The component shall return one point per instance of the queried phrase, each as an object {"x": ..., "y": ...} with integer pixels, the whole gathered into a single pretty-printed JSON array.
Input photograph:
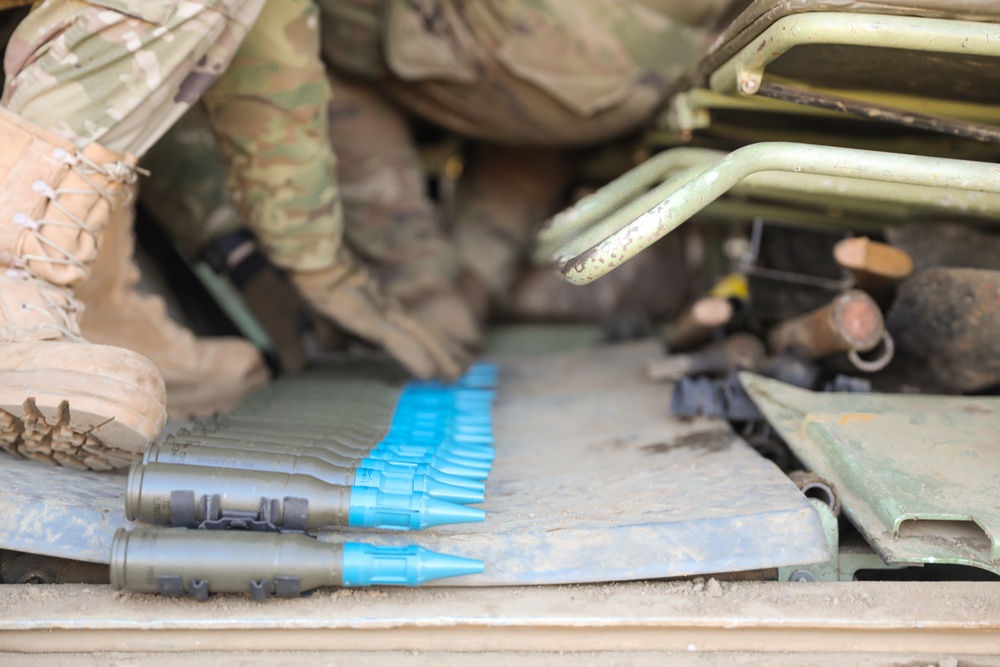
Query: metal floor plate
[
  {"x": 593, "y": 481},
  {"x": 59, "y": 512},
  {"x": 916, "y": 474}
]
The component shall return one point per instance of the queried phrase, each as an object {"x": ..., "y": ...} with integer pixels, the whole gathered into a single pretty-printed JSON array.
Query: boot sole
[{"x": 98, "y": 419}]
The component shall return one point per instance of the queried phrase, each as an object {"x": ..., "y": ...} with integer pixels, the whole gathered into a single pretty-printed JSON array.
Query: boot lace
[
  {"x": 87, "y": 169},
  {"x": 56, "y": 304}
]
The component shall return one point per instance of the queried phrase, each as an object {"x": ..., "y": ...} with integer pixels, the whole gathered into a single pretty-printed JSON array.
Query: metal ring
[{"x": 877, "y": 364}]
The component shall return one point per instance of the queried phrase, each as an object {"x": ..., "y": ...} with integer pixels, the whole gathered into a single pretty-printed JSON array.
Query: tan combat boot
[
  {"x": 63, "y": 400},
  {"x": 202, "y": 375}
]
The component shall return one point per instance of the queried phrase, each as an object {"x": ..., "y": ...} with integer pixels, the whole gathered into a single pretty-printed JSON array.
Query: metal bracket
[
  {"x": 285, "y": 586},
  {"x": 287, "y": 515},
  {"x": 844, "y": 563},
  {"x": 170, "y": 584},
  {"x": 173, "y": 585},
  {"x": 260, "y": 590}
]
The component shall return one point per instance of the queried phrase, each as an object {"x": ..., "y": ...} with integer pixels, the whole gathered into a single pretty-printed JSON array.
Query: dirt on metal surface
[
  {"x": 960, "y": 619},
  {"x": 491, "y": 659},
  {"x": 594, "y": 480},
  {"x": 704, "y": 622}
]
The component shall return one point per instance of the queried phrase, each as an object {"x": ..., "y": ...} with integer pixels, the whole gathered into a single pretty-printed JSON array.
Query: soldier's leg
[
  {"x": 388, "y": 217},
  {"x": 187, "y": 190},
  {"x": 188, "y": 194},
  {"x": 85, "y": 86},
  {"x": 503, "y": 195}
]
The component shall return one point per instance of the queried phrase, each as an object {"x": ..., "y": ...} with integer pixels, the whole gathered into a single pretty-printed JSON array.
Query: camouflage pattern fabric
[
  {"x": 270, "y": 111},
  {"x": 538, "y": 73},
  {"x": 188, "y": 188},
  {"x": 467, "y": 66},
  {"x": 352, "y": 35},
  {"x": 119, "y": 72},
  {"x": 390, "y": 221},
  {"x": 504, "y": 193},
  {"x": 552, "y": 72},
  {"x": 380, "y": 177},
  {"x": 535, "y": 72}
]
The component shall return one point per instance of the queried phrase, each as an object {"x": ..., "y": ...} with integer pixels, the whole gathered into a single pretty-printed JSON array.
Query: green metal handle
[
  {"x": 584, "y": 259},
  {"x": 744, "y": 72}
]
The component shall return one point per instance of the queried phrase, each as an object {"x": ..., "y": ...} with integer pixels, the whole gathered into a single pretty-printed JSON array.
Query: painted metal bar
[
  {"x": 593, "y": 208},
  {"x": 581, "y": 266},
  {"x": 869, "y": 197},
  {"x": 869, "y": 110},
  {"x": 813, "y": 192},
  {"x": 744, "y": 72},
  {"x": 600, "y": 228},
  {"x": 608, "y": 209}
]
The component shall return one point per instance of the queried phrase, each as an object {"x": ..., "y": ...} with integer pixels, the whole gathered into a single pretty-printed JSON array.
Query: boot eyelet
[
  {"x": 44, "y": 189},
  {"x": 24, "y": 220}
]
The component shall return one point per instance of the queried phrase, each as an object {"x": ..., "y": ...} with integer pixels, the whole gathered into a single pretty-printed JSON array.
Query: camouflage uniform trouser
[
  {"x": 270, "y": 113},
  {"x": 187, "y": 191},
  {"x": 389, "y": 220},
  {"x": 119, "y": 72}
]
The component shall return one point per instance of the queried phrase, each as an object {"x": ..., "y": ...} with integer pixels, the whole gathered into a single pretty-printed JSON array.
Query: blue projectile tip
[
  {"x": 454, "y": 453},
  {"x": 392, "y": 481},
  {"x": 455, "y": 480},
  {"x": 442, "y": 465},
  {"x": 450, "y": 467},
  {"x": 449, "y": 492},
  {"x": 392, "y": 450},
  {"x": 368, "y": 565},
  {"x": 423, "y": 442},
  {"x": 464, "y": 461},
  {"x": 415, "y": 468},
  {"x": 371, "y": 508},
  {"x": 478, "y": 452}
]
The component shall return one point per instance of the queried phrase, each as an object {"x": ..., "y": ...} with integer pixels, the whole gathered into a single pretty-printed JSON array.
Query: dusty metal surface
[
  {"x": 846, "y": 560},
  {"x": 682, "y": 658},
  {"x": 593, "y": 481},
  {"x": 916, "y": 474},
  {"x": 59, "y": 511},
  {"x": 696, "y": 617}
]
